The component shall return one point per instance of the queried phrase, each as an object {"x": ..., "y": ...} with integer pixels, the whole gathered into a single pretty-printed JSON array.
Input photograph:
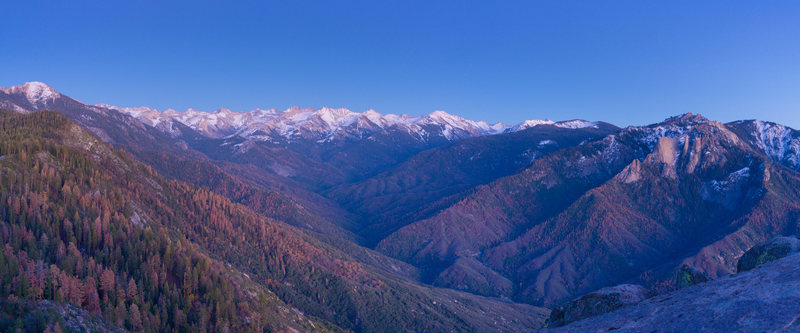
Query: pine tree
[
  {"x": 132, "y": 292},
  {"x": 120, "y": 314},
  {"x": 135, "y": 317},
  {"x": 91, "y": 301},
  {"x": 107, "y": 282}
]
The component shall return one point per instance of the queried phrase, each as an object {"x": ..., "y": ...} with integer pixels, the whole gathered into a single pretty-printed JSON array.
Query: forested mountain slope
[
  {"x": 75, "y": 206},
  {"x": 83, "y": 223}
]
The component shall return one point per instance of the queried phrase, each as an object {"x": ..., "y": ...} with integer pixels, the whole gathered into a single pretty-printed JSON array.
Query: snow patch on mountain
[
  {"x": 546, "y": 142},
  {"x": 673, "y": 127},
  {"x": 727, "y": 192},
  {"x": 651, "y": 134},
  {"x": 575, "y": 124},
  {"x": 733, "y": 178},
  {"x": 779, "y": 142}
]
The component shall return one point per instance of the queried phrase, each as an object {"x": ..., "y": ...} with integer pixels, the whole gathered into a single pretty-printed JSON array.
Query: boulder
[
  {"x": 597, "y": 303},
  {"x": 778, "y": 247},
  {"x": 688, "y": 276}
]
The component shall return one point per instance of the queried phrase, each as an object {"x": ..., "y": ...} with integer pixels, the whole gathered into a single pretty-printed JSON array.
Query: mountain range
[
  {"x": 371, "y": 222},
  {"x": 323, "y": 125}
]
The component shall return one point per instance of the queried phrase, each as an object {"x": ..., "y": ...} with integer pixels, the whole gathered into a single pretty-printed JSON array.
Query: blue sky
[{"x": 627, "y": 62}]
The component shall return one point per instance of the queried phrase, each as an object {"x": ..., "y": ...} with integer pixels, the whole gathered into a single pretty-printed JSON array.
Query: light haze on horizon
[{"x": 625, "y": 62}]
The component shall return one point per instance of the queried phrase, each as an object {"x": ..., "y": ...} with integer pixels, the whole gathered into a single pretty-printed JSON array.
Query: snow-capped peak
[
  {"x": 35, "y": 92},
  {"x": 571, "y": 124},
  {"x": 576, "y": 123},
  {"x": 193, "y": 112},
  {"x": 444, "y": 118},
  {"x": 532, "y": 123},
  {"x": 453, "y": 122},
  {"x": 376, "y": 118},
  {"x": 134, "y": 111},
  {"x": 223, "y": 111},
  {"x": 38, "y": 91},
  {"x": 442, "y": 115},
  {"x": 687, "y": 119},
  {"x": 336, "y": 117}
]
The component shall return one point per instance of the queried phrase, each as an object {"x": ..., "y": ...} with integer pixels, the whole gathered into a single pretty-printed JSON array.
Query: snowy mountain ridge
[
  {"x": 326, "y": 124},
  {"x": 291, "y": 125}
]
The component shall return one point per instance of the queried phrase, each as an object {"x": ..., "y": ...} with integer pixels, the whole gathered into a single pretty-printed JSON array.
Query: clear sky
[{"x": 627, "y": 62}]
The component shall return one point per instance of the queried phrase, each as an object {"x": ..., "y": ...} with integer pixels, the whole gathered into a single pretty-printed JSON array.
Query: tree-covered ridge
[
  {"x": 82, "y": 223},
  {"x": 259, "y": 199}
]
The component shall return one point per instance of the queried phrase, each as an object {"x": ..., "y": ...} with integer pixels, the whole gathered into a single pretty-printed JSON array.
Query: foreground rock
[
  {"x": 778, "y": 247},
  {"x": 765, "y": 299},
  {"x": 599, "y": 302},
  {"x": 688, "y": 276}
]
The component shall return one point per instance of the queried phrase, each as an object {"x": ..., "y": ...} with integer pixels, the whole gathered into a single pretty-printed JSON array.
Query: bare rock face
[
  {"x": 689, "y": 276},
  {"x": 777, "y": 248},
  {"x": 597, "y": 303}
]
